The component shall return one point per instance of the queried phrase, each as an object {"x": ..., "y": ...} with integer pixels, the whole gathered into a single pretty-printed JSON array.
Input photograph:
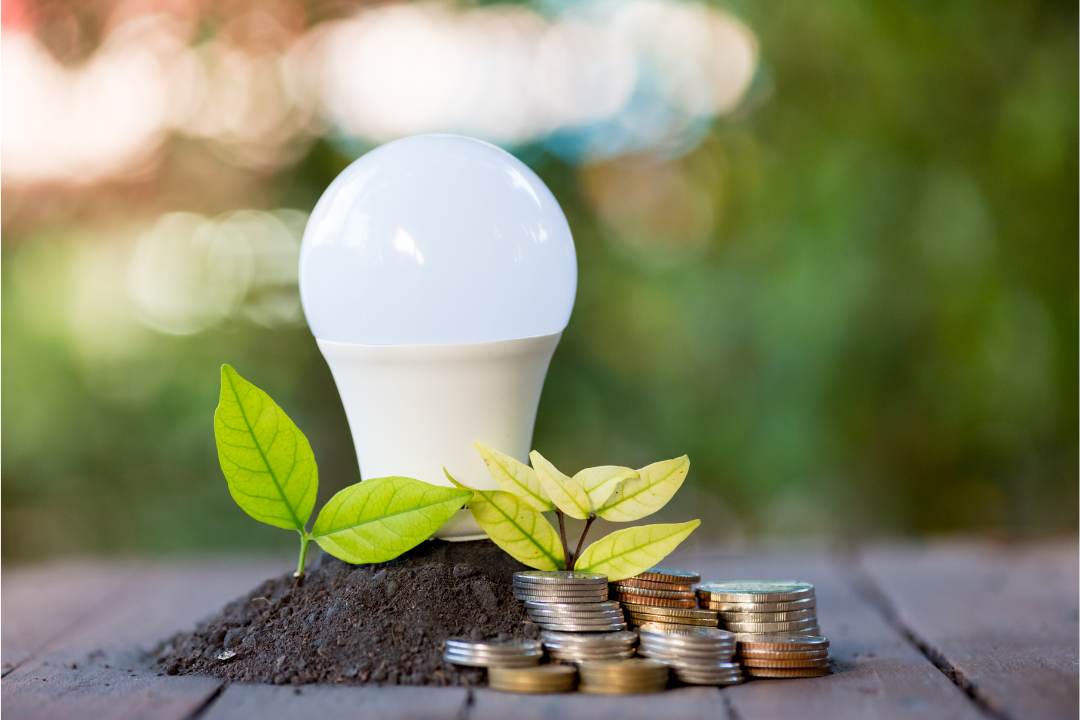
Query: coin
[
  {"x": 769, "y": 617},
  {"x": 685, "y": 635},
  {"x": 783, "y": 642},
  {"x": 642, "y": 617},
  {"x": 645, "y": 592},
  {"x": 581, "y": 609},
  {"x": 571, "y": 606},
  {"x": 786, "y": 672},
  {"x": 558, "y": 577},
  {"x": 511, "y": 647},
  {"x": 669, "y": 575},
  {"x": 783, "y": 654},
  {"x": 473, "y": 660},
  {"x": 636, "y": 582},
  {"x": 578, "y": 620},
  {"x": 539, "y": 679},
  {"x": 672, "y": 612},
  {"x": 748, "y": 591},
  {"x": 623, "y": 638},
  {"x": 770, "y": 627},
  {"x": 572, "y": 627},
  {"x": 569, "y": 598},
  {"x": 773, "y": 663},
  {"x": 754, "y": 607},
  {"x": 634, "y": 599},
  {"x": 811, "y": 631}
]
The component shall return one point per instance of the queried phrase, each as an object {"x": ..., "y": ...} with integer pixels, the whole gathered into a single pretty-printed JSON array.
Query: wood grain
[
  {"x": 1003, "y": 617},
  {"x": 328, "y": 702}
]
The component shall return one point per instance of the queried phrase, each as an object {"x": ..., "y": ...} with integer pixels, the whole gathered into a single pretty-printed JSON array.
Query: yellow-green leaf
[
  {"x": 515, "y": 476},
  {"x": 267, "y": 462},
  {"x": 601, "y": 482},
  {"x": 567, "y": 493},
  {"x": 376, "y": 520},
  {"x": 625, "y": 553},
  {"x": 516, "y": 527},
  {"x": 648, "y": 492}
]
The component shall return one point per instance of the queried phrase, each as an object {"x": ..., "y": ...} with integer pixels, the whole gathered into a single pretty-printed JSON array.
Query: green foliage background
[{"x": 878, "y": 335}]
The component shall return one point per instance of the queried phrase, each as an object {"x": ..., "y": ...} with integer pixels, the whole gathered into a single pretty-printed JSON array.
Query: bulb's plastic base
[
  {"x": 415, "y": 410},
  {"x": 462, "y": 526}
]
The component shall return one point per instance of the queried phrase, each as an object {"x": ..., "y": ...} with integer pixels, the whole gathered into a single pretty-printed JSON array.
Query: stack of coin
[
  {"x": 698, "y": 656},
  {"x": 492, "y": 653},
  {"x": 568, "y": 601},
  {"x": 785, "y": 656},
  {"x": 623, "y": 677},
  {"x": 658, "y": 587},
  {"x": 539, "y": 679},
  {"x": 578, "y": 647},
  {"x": 750, "y": 608}
]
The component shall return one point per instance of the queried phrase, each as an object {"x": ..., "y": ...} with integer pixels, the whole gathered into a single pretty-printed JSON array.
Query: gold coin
[
  {"x": 783, "y": 654},
  {"x": 670, "y": 620},
  {"x": 635, "y": 599},
  {"x": 776, "y": 663},
  {"x": 637, "y": 582},
  {"x": 770, "y": 627},
  {"x": 756, "y": 607},
  {"x": 783, "y": 642},
  {"x": 673, "y": 612},
  {"x": 786, "y": 672},
  {"x": 646, "y": 592},
  {"x": 769, "y": 617},
  {"x": 750, "y": 591},
  {"x": 669, "y": 575},
  {"x": 539, "y": 679}
]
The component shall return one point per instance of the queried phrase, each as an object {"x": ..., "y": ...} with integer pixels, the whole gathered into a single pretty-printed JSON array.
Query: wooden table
[{"x": 958, "y": 629}]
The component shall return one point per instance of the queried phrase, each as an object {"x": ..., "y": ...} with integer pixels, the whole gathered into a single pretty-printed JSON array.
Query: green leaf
[
  {"x": 625, "y": 553},
  {"x": 515, "y": 476},
  {"x": 516, "y": 527},
  {"x": 376, "y": 520},
  {"x": 601, "y": 482},
  {"x": 567, "y": 494},
  {"x": 648, "y": 492},
  {"x": 267, "y": 462}
]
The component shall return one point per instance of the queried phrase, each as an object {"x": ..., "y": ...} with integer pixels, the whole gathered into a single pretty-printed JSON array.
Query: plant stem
[
  {"x": 581, "y": 540},
  {"x": 568, "y": 559},
  {"x": 299, "y": 574}
]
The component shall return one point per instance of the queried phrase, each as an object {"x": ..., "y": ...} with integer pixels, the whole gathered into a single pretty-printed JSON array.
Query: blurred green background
[{"x": 827, "y": 249}]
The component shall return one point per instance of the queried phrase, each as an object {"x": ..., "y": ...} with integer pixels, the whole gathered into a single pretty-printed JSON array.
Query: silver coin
[
  {"x": 461, "y": 644},
  {"x": 487, "y": 661},
  {"x": 627, "y": 637},
  {"x": 582, "y": 611},
  {"x": 756, "y": 590},
  {"x": 558, "y": 576},
  {"x": 578, "y": 621},
  {"x": 567, "y": 598},
  {"x": 563, "y": 627},
  {"x": 553, "y": 606}
]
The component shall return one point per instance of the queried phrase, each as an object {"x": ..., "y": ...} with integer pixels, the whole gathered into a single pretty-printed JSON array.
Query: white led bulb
[{"x": 437, "y": 273}]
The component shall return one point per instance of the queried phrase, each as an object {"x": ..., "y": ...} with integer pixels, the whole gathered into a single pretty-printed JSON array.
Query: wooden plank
[
  {"x": 44, "y": 602},
  {"x": 328, "y": 702},
  {"x": 49, "y": 691},
  {"x": 876, "y": 671},
  {"x": 703, "y": 702},
  {"x": 97, "y": 669},
  {"x": 1002, "y": 617}
]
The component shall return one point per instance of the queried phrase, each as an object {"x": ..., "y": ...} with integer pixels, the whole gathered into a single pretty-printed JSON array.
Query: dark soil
[{"x": 360, "y": 624}]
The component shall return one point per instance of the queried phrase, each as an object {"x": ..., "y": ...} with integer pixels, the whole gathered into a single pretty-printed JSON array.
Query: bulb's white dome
[{"x": 436, "y": 240}]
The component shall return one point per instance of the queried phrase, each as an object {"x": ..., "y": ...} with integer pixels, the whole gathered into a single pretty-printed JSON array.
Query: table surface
[{"x": 957, "y": 629}]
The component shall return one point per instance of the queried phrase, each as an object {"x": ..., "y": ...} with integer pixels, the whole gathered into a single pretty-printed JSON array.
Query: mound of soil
[{"x": 351, "y": 624}]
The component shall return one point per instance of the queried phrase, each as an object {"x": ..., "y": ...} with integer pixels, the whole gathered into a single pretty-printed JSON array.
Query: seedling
[
  {"x": 271, "y": 473},
  {"x": 513, "y": 517}
]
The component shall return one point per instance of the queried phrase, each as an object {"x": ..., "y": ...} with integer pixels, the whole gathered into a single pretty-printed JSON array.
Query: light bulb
[{"x": 437, "y": 273}]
